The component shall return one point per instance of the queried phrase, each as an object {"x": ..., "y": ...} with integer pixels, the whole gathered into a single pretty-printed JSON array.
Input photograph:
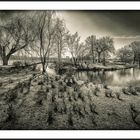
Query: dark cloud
[
  {"x": 123, "y": 26},
  {"x": 116, "y": 22},
  {"x": 109, "y": 22}
]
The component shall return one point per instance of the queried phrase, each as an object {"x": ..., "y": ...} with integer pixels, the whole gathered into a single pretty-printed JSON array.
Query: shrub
[
  {"x": 18, "y": 64},
  {"x": 33, "y": 67},
  {"x": 118, "y": 95},
  {"x": 39, "y": 97},
  {"x": 58, "y": 67},
  {"x": 109, "y": 93},
  {"x": 26, "y": 63},
  {"x": 96, "y": 91},
  {"x": 126, "y": 91},
  {"x": 105, "y": 86},
  {"x": 132, "y": 90}
]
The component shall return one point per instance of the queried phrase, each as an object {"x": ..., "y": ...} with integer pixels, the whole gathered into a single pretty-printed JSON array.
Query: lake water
[{"x": 114, "y": 78}]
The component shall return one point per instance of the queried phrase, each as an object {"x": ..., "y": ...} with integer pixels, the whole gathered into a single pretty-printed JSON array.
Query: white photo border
[{"x": 70, "y": 6}]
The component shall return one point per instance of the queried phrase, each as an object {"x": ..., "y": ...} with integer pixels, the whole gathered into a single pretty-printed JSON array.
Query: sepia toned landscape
[{"x": 69, "y": 70}]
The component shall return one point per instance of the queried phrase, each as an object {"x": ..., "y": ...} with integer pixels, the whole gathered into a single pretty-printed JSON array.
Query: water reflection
[{"x": 115, "y": 78}]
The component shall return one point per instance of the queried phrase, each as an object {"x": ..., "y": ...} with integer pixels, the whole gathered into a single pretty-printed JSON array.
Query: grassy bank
[{"x": 34, "y": 101}]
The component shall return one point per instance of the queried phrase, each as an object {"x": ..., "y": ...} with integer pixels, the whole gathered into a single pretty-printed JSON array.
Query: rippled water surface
[{"x": 114, "y": 78}]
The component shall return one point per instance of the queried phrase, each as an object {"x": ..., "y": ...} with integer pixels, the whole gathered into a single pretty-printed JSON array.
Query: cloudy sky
[{"x": 123, "y": 26}]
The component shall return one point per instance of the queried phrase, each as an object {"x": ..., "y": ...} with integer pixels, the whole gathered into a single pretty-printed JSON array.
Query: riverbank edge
[{"x": 102, "y": 68}]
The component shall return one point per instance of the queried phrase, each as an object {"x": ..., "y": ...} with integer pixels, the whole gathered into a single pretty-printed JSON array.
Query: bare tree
[
  {"x": 125, "y": 54},
  {"x": 73, "y": 42},
  {"x": 104, "y": 46},
  {"x": 135, "y": 46},
  {"x": 81, "y": 52},
  {"x": 60, "y": 40},
  {"x": 107, "y": 46},
  {"x": 90, "y": 42},
  {"x": 46, "y": 26},
  {"x": 15, "y": 35}
]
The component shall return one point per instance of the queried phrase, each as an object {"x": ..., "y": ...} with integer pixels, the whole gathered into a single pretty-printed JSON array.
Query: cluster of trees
[
  {"x": 43, "y": 34},
  {"x": 130, "y": 53},
  {"x": 100, "y": 48}
]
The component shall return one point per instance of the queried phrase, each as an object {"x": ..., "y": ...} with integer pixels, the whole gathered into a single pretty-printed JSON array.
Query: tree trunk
[
  {"x": 104, "y": 62},
  {"x": 93, "y": 57},
  {"x": 99, "y": 57},
  {"x": 134, "y": 59},
  {"x": 5, "y": 60},
  {"x": 74, "y": 61},
  {"x": 43, "y": 68},
  {"x": 5, "y": 57},
  {"x": 104, "y": 59},
  {"x": 139, "y": 61},
  {"x": 59, "y": 62}
]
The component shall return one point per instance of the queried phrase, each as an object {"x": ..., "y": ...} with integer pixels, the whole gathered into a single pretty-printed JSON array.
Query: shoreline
[{"x": 101, "y": 68}]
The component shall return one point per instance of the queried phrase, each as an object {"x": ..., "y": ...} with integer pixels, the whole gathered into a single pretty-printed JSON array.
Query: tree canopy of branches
[
  {"x": 100, "y": 47},
  {"x": 15, "y": 35},
  {"x": 60, "y": 40},
  {"x": 135, "y": 46},
  {"x": 45, "y": 26},
  {"x": 125, "y": 54},
  {"x": 90, "y": 43},
  {"x": 106, "y": 47},
  {"x": 77, "y": 49},
  {"x": 44, "y": 34},
  {"x": 130, "y": 53}
]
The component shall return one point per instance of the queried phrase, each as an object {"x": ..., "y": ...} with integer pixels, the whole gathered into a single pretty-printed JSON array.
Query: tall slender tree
[
  {"x": 46, "y": 26},
  {"x": 60, "y": 40},
  {"x": 90, "y": 42},
  {"x": 135, "y": 46}
]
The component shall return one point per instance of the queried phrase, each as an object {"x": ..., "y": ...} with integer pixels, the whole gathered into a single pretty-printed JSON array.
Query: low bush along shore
[
  {"x": 60, "y": 102},
  {"x": 101, "y": 67}
]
